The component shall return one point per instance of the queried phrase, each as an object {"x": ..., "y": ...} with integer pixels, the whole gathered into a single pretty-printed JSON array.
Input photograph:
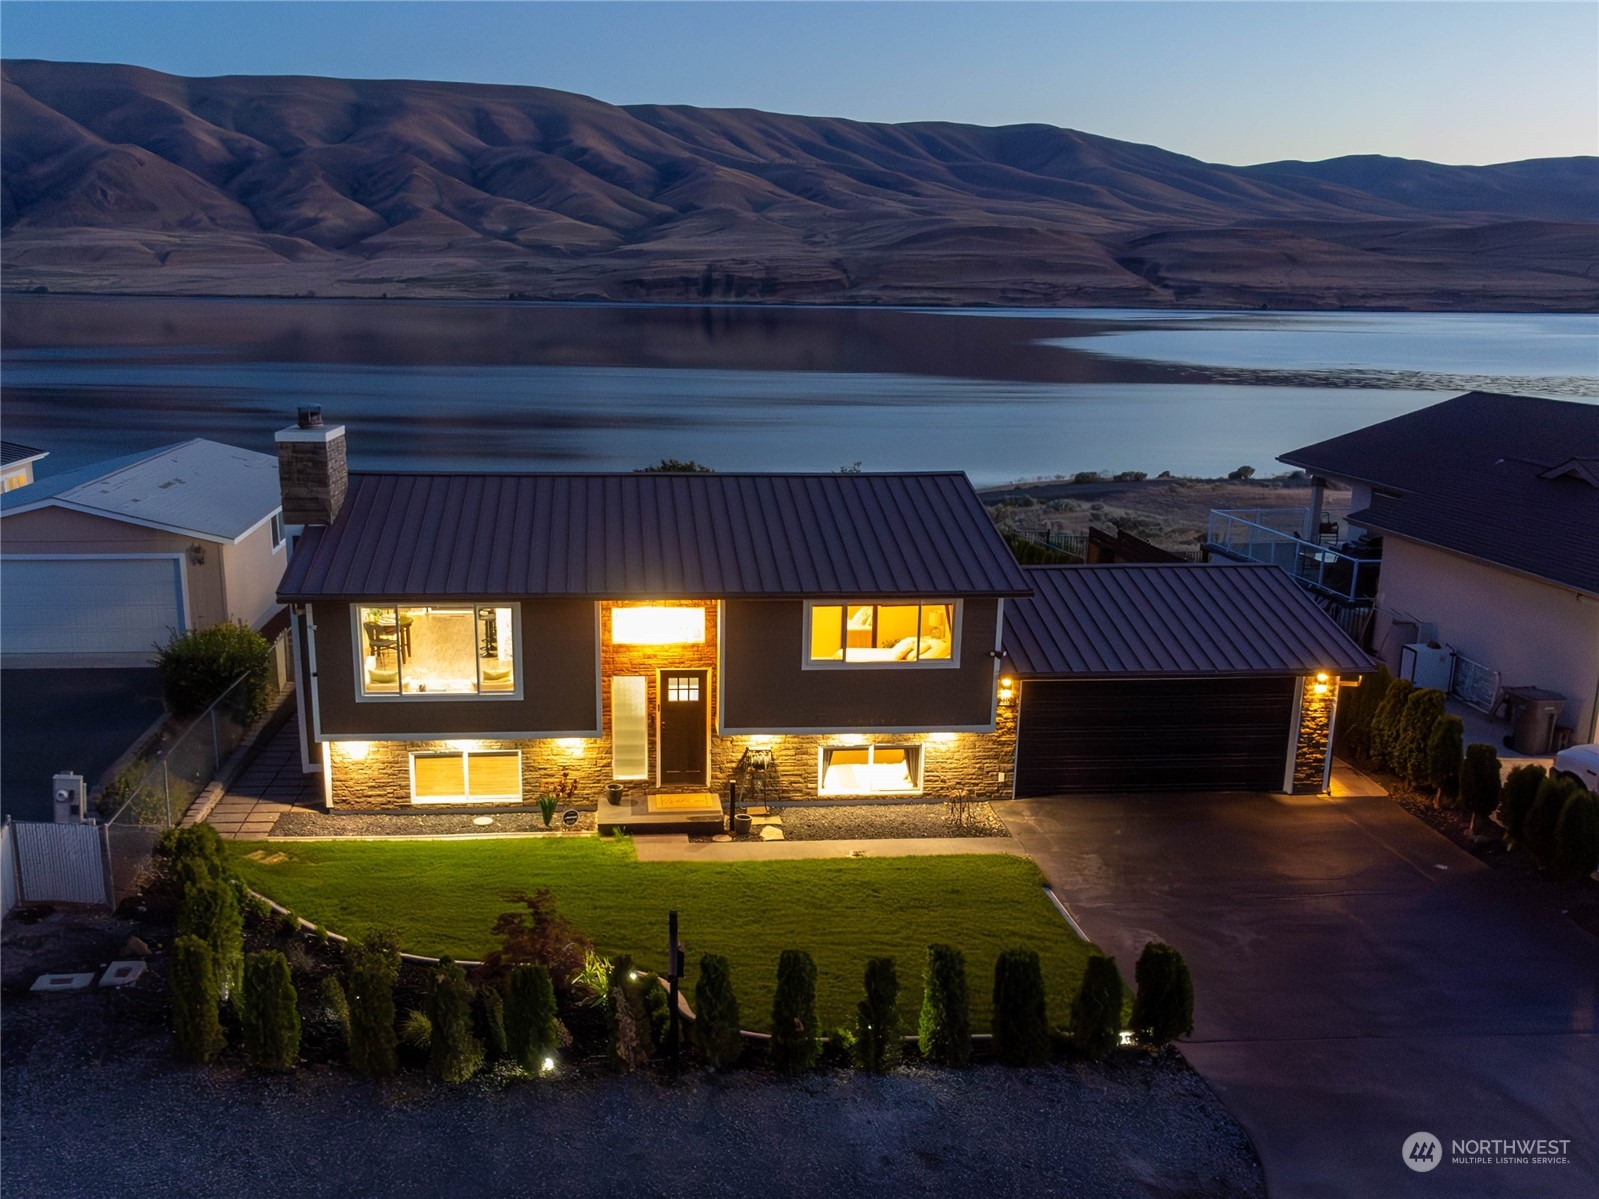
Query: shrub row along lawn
[{"x": 443, "y": 897}]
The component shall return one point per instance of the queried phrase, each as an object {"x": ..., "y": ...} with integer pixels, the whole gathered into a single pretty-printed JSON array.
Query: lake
[{"x": 1001, "y": 394}]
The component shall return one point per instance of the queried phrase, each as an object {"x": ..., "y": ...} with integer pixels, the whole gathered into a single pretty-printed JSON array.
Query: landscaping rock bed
[
  {"x": 854, "y": 822},
  {"x": 302, "y": 823}
]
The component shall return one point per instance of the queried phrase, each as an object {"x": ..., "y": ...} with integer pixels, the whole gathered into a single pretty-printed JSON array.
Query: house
[
  {"x": 485, "y": 637},
  {"x": 16, "y": 464},
  {"x": 1487, "y": 511},
  {"x": 101, "y": 565}
]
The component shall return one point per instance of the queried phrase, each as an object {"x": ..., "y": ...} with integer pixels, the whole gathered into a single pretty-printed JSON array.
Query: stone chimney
[{"x": 313, "y": 473}]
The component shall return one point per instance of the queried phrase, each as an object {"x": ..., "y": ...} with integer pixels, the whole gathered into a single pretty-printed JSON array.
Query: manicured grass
[{"x": 443, "y": 897}]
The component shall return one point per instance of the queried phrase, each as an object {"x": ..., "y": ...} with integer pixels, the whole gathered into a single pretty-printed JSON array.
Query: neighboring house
[
  {"x": 480, "y": 638},
  {"x": 101, "y": 565},
  {"x": 1487, "y": 507},
  {"x": 16, "y": 465}
]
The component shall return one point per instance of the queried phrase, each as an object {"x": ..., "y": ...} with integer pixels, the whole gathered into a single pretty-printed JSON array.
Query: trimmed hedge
[
  {"x": 716, "y": 1018},
  {"x": 1385, "y": 722},
  {"x": 796, "y": 1039},
  {"x": 374, "y": 967},
  {"x": 1515, "y": 799},
  {"x": 1163, "y": 1008},
  {"x": 1021, "y": 1020},
  {"x": 1577, "y": 836},
  {"x": 491, "y": 1023},
  {"x": 211, "y": 912},
  {"x": 530, "y": 1016},
  {"x": 1479, "y": 782},
  {"x": 1408, "y": 753},
  {"x": 944, "y": 1032},
  {"x": 1445, "y": 746},
  {"x": 878, "y": 1040},
  {"x": 195, "y": 1027},
  {"x": 1096, "y": 1012},
  {"x": 454, "y": 1053}
]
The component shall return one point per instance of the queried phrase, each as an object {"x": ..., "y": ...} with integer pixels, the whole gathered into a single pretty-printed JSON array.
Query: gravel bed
[
  {"x": 850, "y": 822},
  {"x": 432, "y": 824}
]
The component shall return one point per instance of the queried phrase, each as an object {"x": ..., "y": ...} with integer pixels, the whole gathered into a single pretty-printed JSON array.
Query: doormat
[{"x": 684, "y": 801}]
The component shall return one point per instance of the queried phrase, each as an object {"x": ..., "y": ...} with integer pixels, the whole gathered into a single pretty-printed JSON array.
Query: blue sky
[{"x": 1226, "y": 82}]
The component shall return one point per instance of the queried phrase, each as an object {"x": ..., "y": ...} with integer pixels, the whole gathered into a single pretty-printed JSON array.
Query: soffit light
[{"x": 657, "y": 626}]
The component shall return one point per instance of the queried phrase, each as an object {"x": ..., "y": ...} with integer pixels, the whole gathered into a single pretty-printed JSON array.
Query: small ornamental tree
[
  {"x": 944, "y": 1032},
  {"x": 195, "y": 1027},
  {"x": 1356, "y": 708},
  {"x": 1479, "y": 782},
  {"x": 1021, "y": 1019},
  {"x": 537, "y": 936},
  {"x": 1385, "y": 721},
  {"x": 1577, "y": 836},
  {"x": 1097, "y": 1010},
  {"x": 211, "y": 913},
  {"x": 1163, "y": 1008},
  {"x": 796, "y": 1035},
  {"x": 878, "y": 1040},
  {"x": 1408, "y": 754},
  {"x": 1543, "y": 818},
  {"x": 1515, "y": 799},
  {"x": 530, "y": 1016},
  {"x": 374, "y": 967},
  {"x": 454, "y": 1053},
  {"x": 269, "y": 1012},
  {"x": 198, "y": 666},
  {"x": 716, "y": 1027},
  {"x": 491, "y": 1022},
  {"x": 1444, "y": 749}
]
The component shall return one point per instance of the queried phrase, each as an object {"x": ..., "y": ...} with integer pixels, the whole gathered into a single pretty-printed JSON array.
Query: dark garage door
[{"x": 1150, "y": 734}]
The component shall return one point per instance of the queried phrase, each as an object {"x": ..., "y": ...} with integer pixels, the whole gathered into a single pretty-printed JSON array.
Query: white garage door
[{"x": 93, "y": 606}]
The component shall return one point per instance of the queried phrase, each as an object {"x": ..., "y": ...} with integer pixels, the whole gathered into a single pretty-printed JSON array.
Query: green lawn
[{"x": 443, "y": 897}]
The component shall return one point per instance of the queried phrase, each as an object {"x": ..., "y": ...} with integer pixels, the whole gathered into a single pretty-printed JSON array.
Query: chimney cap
[{"x": 310, "y": 416}]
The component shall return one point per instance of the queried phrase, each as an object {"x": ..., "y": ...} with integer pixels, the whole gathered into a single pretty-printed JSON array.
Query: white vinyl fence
[
  {"x": 56, "y": 863},
  {"x": 8, "y": 872}
]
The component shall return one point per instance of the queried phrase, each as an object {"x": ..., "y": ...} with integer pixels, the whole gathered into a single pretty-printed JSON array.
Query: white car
[{"x": 1581, "y": 762}]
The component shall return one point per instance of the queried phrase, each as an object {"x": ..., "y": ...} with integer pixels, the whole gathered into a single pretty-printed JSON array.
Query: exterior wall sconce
[
  {"x": 197, "y": 554},
  {"x": 1321, "y": 682},
  {"x": 356, "y": 751},
  {"x": 1007, "y": 689}
]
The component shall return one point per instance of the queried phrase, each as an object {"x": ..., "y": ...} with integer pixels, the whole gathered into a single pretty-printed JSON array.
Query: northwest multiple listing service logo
[{"x": 1423, "y": 1152}]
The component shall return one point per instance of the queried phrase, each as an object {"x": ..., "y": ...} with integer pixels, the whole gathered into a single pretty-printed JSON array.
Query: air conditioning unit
[{"x": 1428, "y": 664}]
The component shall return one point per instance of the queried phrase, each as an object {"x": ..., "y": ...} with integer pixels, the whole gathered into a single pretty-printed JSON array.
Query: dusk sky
[{"x": 1225, "y": 82}]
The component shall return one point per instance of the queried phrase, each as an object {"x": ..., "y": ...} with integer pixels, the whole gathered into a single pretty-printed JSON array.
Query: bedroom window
[
  {"x": 880, "y": 634},
  {"x": 436, "y": 652},
  {"x": 871, "y": 770},
  {"x": 481, "y": 777}
]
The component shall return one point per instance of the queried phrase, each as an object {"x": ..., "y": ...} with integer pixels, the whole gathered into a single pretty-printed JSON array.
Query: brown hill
[{"x": 122, "y": 179}]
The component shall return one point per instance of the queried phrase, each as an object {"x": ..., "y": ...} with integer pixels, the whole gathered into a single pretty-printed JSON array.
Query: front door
[{"x": 685, "y": 731}]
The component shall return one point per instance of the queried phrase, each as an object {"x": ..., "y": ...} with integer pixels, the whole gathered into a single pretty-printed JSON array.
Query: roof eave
[{"x": 1366, "y": 521}]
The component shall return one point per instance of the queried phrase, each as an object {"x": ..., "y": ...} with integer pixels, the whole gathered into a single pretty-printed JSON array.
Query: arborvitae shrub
[
  {"x": 374, "y": 967},
  {"x": 1479, "y": 782},
  {"x": 193, "y": 855},
  {"x": 944, "y": 1032},
  {"x": 269, "y": 1013},
  {"x": 1097, "y": 1010},
  {"x": 454, "y": 1053},
  {"x": 716, "y": 1027},
  {"x": 1021, "y": 1017},
  {"x": 1163, "y": 1008},
  {"x": 334, "y": 1005},
  {"x": 195, "y": 1027},
  {"x": 1355, "y": 711},
  {"x": 1543, "y": 818},
  {"x": 530, "y": 1016},
  {"x": 1408, "y": 755},
  {"x": 1385, "y": 721},
  {"x": 1577, "y": 836},
  {"x": 211, "y": 913},
  {"x": 878, "y": 1040},
  {"x": 1444, "y": 749},
  {"x": 491, "y": 1022},
  {"x": 1515, "y": 799},
  {"x": 796, "y": 1038}
]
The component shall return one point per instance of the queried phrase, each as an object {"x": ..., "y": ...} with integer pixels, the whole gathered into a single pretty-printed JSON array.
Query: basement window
[
  {"x": 486, "y": 776},
  {"x": 871, "y": 770}
]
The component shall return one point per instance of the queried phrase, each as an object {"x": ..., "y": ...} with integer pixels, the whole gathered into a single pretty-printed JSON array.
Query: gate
[{"x": 58, "y": 863}]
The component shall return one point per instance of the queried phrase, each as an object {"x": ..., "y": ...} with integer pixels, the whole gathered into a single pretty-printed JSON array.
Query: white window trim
[
  {"x": 276, "y": 532},
  {"x": 358, "y": 658},
  {"x": 918, "y": 752},
  {"x": 950, "y": 663},
  {"x": 466, "y": 756}
]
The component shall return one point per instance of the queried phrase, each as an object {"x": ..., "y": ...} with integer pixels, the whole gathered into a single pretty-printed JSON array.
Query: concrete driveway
[{"x": 1358, "y": 979}]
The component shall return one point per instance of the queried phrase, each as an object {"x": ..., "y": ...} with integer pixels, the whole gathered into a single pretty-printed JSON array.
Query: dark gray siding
[
  {"x": 764, "y": 685},
  {"x": 559, "y": 662}
]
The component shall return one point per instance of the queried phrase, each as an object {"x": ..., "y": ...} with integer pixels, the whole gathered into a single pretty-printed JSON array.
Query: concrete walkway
[
  {"x": 676, "y": 847},
  {"x": 270, "y": 786}
]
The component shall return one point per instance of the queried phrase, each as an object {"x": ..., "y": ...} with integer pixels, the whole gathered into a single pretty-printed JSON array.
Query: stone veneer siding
[
  {"x": 1315, "y": 735},
  {"x": 314, "y": 477}
]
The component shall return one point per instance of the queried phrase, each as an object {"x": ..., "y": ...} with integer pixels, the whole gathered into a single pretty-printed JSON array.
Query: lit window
[
  {"x": 436, "y": 651},
  {"x": 877, "y": 633},
  {"x": 466, "y": 777},
  {"x": 629, "y": 728},
  {"x": 657, "y": 626},
  {"x": 871, "y": 770}
]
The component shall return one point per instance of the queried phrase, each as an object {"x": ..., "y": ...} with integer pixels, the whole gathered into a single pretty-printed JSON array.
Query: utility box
[
  {"x": 1534, "y": 713},
  {"x": 1428, "y": 664},
  {"x": 68, "y": 792}
]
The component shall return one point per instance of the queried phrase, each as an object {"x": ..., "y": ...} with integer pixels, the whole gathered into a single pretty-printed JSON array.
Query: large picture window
[
  {"x": 883, "y": 634},
  {"x": 478, "y": 777},
  {"x": 436, "y": 651},
  {"x": 871, "y": 770}
]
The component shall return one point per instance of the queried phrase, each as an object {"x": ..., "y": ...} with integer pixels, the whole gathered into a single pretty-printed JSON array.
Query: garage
[
  {"x": 101, "y": 606},
  {"x": 1173, "y": 677}
]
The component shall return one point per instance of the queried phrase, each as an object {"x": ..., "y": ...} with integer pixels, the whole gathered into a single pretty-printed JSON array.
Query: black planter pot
[
  {"x": 613, "y": 793},
  {"x": 741, "y": 824}
]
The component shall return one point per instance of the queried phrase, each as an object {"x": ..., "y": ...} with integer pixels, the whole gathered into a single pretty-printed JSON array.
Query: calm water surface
[{"x": 1000, "y": 394}]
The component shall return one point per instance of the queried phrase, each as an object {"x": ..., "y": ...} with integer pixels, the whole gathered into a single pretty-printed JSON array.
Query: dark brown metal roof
[
  {"x": 1189, "y": 618},
  {"x": 654, "y": 535}
]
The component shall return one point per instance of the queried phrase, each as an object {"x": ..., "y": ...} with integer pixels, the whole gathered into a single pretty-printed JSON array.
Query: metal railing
[{"x": 1274, "y": 538}]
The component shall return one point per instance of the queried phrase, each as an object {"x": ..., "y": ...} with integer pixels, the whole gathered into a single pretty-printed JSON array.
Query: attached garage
[
  {"x": 1171, "y": 677},
  {"x": 103, "y": 606}
]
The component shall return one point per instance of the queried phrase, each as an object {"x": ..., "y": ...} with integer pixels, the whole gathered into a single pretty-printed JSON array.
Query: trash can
[{"x": 1534, "y": 713}]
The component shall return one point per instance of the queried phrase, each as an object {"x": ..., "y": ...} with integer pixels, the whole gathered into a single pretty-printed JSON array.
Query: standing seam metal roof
[
  {"x": 655, "y": 535},
  {"x": 1172, "y": 619}
]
